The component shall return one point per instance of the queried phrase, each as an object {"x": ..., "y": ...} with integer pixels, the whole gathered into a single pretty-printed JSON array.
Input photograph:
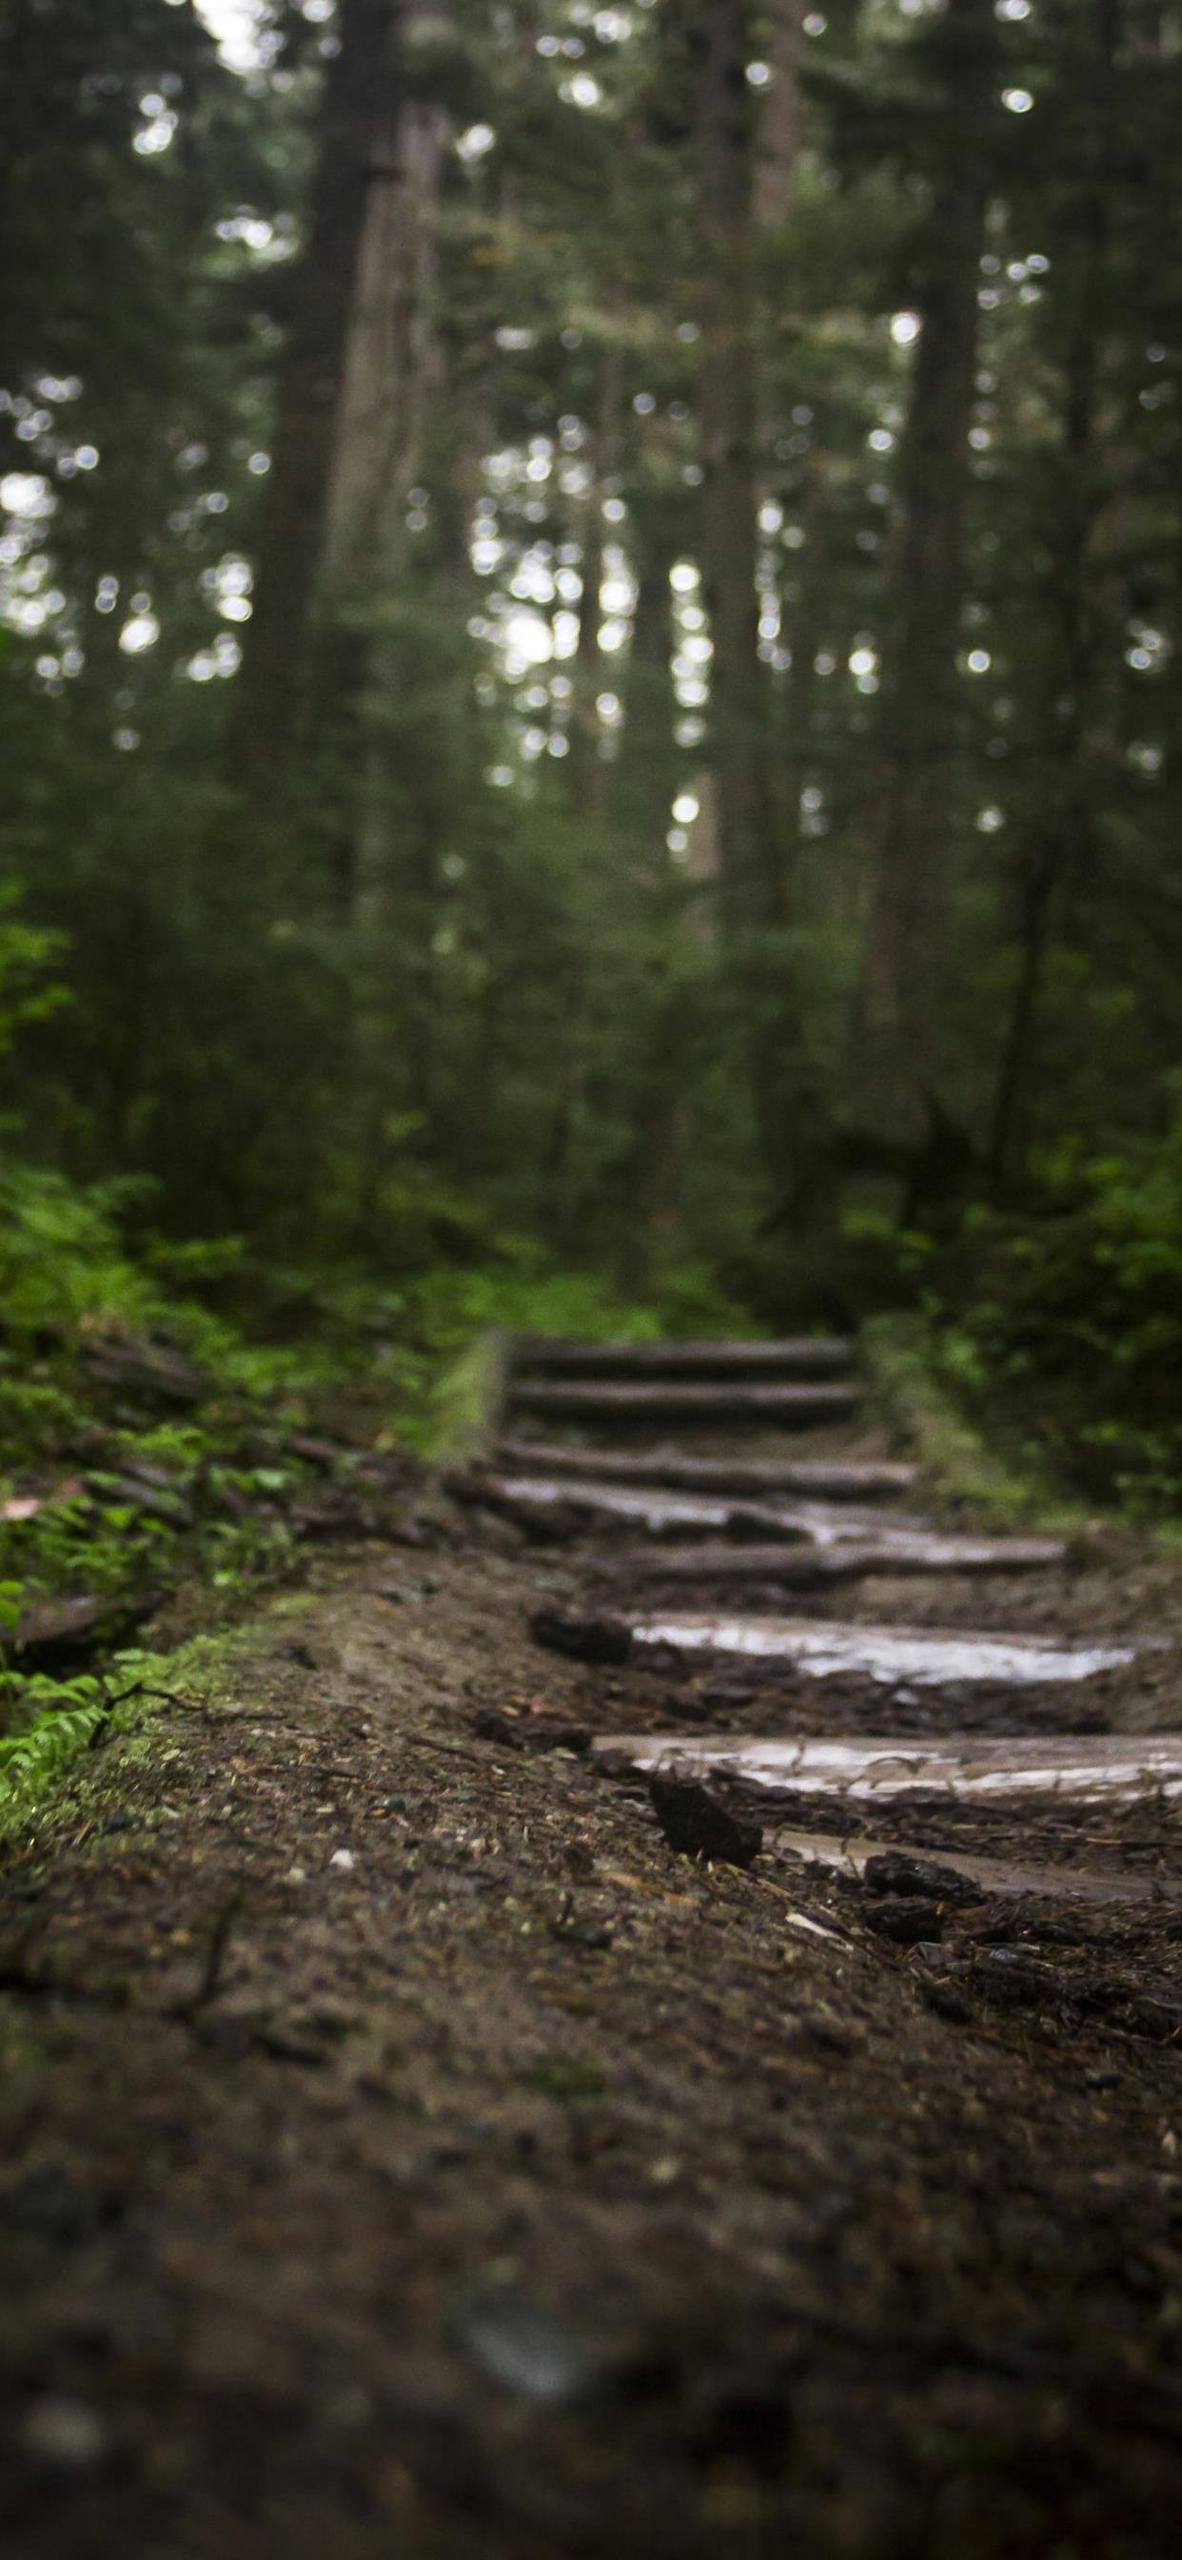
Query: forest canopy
[{"x": 589, "y": 656}]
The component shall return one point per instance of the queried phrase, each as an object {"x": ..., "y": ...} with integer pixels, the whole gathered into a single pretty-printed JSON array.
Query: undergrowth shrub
[{"x": 1072, "y": 1320}]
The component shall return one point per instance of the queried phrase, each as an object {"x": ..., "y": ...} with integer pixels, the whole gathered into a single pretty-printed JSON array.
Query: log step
[
  {"x": 805, "y": 1356},
  {"x": 821, "y": 1478},
  {"x": 676, "y": 1515},
  {"x": 1083, "y": 1768},
  {"x": 849, "y": 1855},
  {"x": 563, "y": 1499},
  {"x": 841, "y": 1560},
  {"x": 617, "y": 1404},
  {"x": 890, "y": 1654}
]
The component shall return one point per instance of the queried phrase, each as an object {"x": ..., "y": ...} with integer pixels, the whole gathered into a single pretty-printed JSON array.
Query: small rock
[
  {"x": 698, "y": 1826},
  {"x": 583, "y": 1639},
  {"x": 818, "y": 2031},
  {"x": 909, "y": 1923},
  {"x": 344, "y": 1860},
  {"x": 896, "y": 1873},
  {"x": 492, "y": 1726},
  {"x": 523, "y": 2347},
  {"x": 541, "y": 1733},
  {"x": 64, "y": 2433},
  {"x": 946, "y": 2002}
]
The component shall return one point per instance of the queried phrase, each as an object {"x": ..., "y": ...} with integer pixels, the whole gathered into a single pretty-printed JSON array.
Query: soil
[{"x": 406, "y": 2149}]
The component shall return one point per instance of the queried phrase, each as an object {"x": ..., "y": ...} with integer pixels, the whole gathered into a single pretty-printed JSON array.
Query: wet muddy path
[{"x": 410, "y": 2145}]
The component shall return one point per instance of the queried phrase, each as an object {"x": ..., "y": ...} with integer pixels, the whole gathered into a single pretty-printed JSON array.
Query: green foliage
[
  {"x": 443, "y": 1030},
  {"x": 69, "y": 1715},
  {"x": 62, "y": 1261},
  {"x": 27, "y": 954},
  {"x": 1073, "y": 1318},
  {"x": 57, "y": 1720}
]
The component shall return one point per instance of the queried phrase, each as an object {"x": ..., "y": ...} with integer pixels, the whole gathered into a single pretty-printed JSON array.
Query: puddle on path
[
  {"x": 888, "y": 1654},
  {"x": 1084, "y": 1767}
]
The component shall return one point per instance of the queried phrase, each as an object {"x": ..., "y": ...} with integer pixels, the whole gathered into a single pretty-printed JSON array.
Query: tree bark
[
  {"x": 387, "y": 352},
  {"x": 587, "y": 773},
  {"x": 1072, "y": 712},
  {"x": 779, "y": 124},
  {"x": 752, "y": 889},
  {"x": 898, "y": 1012},
  {"x": 753, "y": 885},
  {"x": 359, "y": 104}
]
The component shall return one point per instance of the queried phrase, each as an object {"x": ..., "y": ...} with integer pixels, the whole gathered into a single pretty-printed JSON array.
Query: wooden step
[
  {"x": 923, "y": 1657},
  {"x": 821, "y": 1478},
  {"x": 849, "y": 1855},
  {"x": 723, "y": 1401},
  {"x": 663, "y": 1514},
  {"x": 628, "y": 1507},
  {"x": 804, "y": 1356},
  {"x": 841, "y": 1561},
  {"x": 1082, "y": 1768}
]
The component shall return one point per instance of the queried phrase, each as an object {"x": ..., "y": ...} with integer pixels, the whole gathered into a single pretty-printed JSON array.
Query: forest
[
  {"x": 589, "y": 680},
  {"x": 590, "y": 1279}
]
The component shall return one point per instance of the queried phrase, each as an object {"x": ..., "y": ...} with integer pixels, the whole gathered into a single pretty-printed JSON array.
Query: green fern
[{"x": 59, "y": 1734}]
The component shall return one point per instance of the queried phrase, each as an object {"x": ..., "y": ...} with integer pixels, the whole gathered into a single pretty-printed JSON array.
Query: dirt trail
[{"x": 405, "y": 2150}]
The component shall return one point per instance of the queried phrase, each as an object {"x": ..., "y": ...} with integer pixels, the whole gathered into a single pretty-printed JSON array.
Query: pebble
[
  {"x": 697, "y": 1825},
  {"x": 65, "y": 2433},
  {"x": 522, "y": 2347},
  {"x": 812, "y": 1928}
]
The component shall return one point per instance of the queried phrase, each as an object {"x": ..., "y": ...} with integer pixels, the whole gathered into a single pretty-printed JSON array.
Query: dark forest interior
[
  {"x": 590, "y": 1279},
  {"x": 589, "y": 673}
]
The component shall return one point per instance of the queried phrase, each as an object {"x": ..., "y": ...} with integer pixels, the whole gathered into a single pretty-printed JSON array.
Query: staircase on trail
[{"x": 760, "y": 1480}]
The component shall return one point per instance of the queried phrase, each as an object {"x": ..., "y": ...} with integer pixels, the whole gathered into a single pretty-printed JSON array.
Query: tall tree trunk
[
  {"x": 587, "y": 771},
  {"x": 752, "y": 880},
  {"x": 751, "y": 886},
  {"x": 644, "y": 776},
  {"x": 1074, "y": 712},
  {"x": 779, "y": 124},
  {"x": 392, "y": 366},
  {"x": 899, "y": 1012},
  {"x": 644, "y": 1183},
  {"x": 359, "y": 104},
  {"x": 388, "y": 349}
]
